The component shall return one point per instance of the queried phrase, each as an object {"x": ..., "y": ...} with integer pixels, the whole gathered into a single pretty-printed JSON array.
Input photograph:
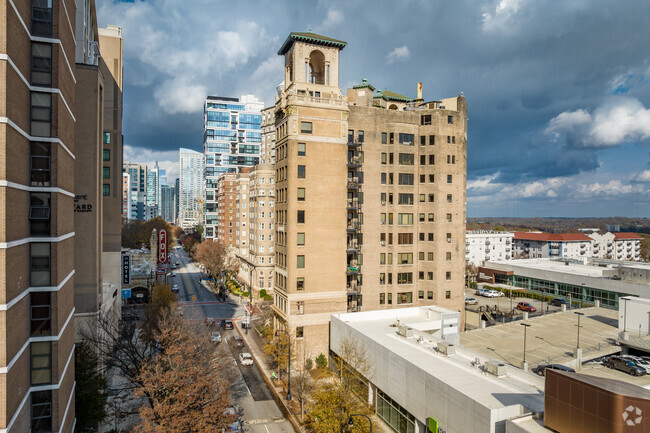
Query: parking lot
[
  {"x": 506, "y": 304},
  {"x": 602, "y": 371}
]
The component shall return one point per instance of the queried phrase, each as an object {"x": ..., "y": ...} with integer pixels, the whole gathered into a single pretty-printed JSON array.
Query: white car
[
  {"x": 175, "y": 288},
  {"x": 245, "y": 358},
  {"x": 471, "y": 301},
  {"x": 215, "y": 337},
  {"x": 491, "y": 294}
]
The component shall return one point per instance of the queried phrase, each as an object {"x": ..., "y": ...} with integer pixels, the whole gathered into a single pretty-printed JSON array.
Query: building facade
[
  {"x": 232, "y": 140},
  {"x": 256, "y": 262},
  {"x": 482, "y": 245},
  {"x": 138, "y": 189},
  {"x": 370, "y": 193},
  {"x": 127, "y": 201},
  {"x": 153, "y": 186},
  {"x": 226, "y": 217},
  {"x": 190, "y": 188},
  {"x": 168, "y": 203},
  {"x": 617, "y": 246},
  {"x": 267, "y": 152},
  {"x": 241, "y": 214}
]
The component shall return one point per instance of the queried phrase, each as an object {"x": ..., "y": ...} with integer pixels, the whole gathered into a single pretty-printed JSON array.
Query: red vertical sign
[{"x": 162, "y": 246}]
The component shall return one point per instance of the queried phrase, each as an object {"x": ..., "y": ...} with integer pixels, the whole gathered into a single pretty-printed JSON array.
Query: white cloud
[
  {"x": 617, "y": 120},
  {"x": 502, "y": 17},
  {"x": 167, "y": 160},
  {"x": 176, "y": 96},
  {"x": 398, "y": 53},
  {"x": 334, "y": 18},
  {"x": 643, "y": 177},
  {"x": 611, "y": 188}
]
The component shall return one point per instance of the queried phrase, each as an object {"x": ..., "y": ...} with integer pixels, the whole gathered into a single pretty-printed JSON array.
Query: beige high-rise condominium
[{"x": 370, "y": 192}]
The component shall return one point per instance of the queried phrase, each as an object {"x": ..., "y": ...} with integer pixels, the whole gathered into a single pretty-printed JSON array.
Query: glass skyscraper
[
  {"x": 231, "y": 144},
  {"x": 190, "y": 188}
]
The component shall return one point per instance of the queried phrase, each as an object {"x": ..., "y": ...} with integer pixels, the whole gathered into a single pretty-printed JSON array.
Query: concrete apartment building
[
  {"x": 241, "y": 214},
  {"x": 267, "y": 151},
  {"x": 40, "y": 89},
  {"x": 226, "y": 216},
  {"x": 232, "y": 141},
  {"x": 482, "y": 245},
  {"x": 618, "y": 246},
  {"x": 190, "y": 188},
  {"x": 256, "y": 264},
  {"x": 370, "y": 194}
]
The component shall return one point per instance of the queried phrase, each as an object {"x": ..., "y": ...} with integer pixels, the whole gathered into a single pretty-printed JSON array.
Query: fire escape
[{"x": 354, "y": 221}]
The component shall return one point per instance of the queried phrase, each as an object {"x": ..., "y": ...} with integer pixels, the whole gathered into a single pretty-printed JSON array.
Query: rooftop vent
[
  {"x": 495, "y": 368},
  {"x": 446, "y": 348},
  {"x": 405, "y": 331}
]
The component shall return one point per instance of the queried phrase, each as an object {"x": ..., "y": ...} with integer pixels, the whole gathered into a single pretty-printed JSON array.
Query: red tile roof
[
  {"x": 555, "y": 237},
  {"x": 622, "y": 235}
]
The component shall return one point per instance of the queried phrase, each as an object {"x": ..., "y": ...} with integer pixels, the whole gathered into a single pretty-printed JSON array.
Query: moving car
[
  {"x": 622, "y": 364},
  {"x": 245, "y": 358},
  {"x": 541, "y": 369},
  {"x": 238, "y": 341},
  {"x": 215, "y": 337},
  {"x": 558, "y": 302},
  {"x": 175, "y": 288},
  {"x": 227, "y": 324},
  {"x": 526, "y": 306},
  {"x": 173, "y": 274},
  {"x": 471, "y": 301}
]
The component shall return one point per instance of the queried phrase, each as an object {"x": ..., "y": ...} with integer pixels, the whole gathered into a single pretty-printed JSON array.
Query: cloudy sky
[{"x": 558, "y": 94}]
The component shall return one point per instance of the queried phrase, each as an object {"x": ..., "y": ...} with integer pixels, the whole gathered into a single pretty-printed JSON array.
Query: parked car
[
  {"x": 526, "y": 306},
  {"x": 622, "y": 364},
  {"x": 541, "y": 369},
  {"x": 175, "y": 288},
  {"x": 471, "y": 301},
  {"x": 227, "y": 324},
  {"x": 173, "y": 274},
  {"x": 178, "y": 264},
  {"x": 235, "y": 427},
  {"x": 558, "y": 302},
  {"x": 215, "y": 337},
  {"x": 639, "y": 361},
  {"x": 481, "y": 292},
  {"x": 492, "y": 294},
  {"x": 245, "y": 358}
]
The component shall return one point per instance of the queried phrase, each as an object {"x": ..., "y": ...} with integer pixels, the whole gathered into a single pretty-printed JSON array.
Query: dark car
[
  {"x": 558, "y": 302},
  {"x": 541, "y": 369},
  {"x": 626, "y": 365},
  {"x": 227, "y": 324},
  {"x": 525, "y": 306}
]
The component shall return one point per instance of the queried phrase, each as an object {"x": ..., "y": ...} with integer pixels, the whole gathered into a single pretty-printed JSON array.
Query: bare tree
[
  {"x": 213, "y": 256},
  {"x": 187, "y": 391},
  {"x": 303, "y": 384}
]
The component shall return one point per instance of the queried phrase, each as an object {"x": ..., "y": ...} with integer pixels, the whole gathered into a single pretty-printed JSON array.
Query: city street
[{"x": 250, "y": 392}]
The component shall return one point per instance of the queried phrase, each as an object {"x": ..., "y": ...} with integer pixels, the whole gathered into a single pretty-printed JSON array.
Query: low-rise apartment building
[
  {"x": 618, "y": 246},
  {"x": 482, "y": 245}
]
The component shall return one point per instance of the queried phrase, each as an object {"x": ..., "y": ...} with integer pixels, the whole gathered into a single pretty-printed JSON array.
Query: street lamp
[
  {"x": 526, "y": 326},
  {"x": 351, "y": 421},
  {"x": 578, "y": 314},
  {"x": 289, "y": 362}
]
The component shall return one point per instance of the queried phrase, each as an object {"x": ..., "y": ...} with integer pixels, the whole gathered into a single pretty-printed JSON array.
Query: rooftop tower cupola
[{"x": 311, "y": 63}]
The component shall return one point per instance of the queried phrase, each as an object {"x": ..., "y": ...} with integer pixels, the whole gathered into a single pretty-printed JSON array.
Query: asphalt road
[{"x": 249, "y": 391}]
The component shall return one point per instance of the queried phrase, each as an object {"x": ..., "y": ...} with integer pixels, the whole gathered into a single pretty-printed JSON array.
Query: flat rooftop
[
  {"x": 551, "y": 265},
  {"x": 550, "y": 338},
  {"x": 457, "y": 371}
]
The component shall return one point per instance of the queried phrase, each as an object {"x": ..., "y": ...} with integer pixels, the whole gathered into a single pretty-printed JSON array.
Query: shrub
[
  {"x": 263, "y": 293},
  {"x": 309, "y": 364},
  {"x": 321, "y": 361}
]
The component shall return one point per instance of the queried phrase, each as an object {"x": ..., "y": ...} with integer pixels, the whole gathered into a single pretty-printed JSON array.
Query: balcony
[
  {"x": 508, "y": 242},
  {"x": 353, "y": 183},
  {"x": 353, "y": 246},
  {"x": 353, "y": 226},
  {"x": 507, "y": 250},
  {"x": 353, "y": 270},
  {"x": 355, "y": 161},
  {"x": 353, "y": 143},
  {"x": 353, "y": 205},
  {"x": 487, "y": 242}
]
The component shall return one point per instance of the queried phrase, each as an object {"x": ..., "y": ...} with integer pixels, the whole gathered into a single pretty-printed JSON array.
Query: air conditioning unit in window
[
  {"x": 383, "y": 203},
  {"x": 383, "y": 243},
  {"x": 406, "y": 143}
]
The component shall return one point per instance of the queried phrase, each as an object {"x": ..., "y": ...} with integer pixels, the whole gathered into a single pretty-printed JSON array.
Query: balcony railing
[
  {"x": 355, "y": 161},
  {"x": 353, "y": 205},
  {"x": 353, "y": 226},
  {"x": 353, "y": 182},
  {"x": 353, "y": 270},
  {"x": 353, "y": 246}
]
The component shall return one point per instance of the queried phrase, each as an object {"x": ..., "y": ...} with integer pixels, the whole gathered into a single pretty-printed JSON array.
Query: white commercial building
[
  {"x": 482, "y": 245},
  {"x": 422, "y": 378},
  {"x": 232, "y": 141},
  {"x": 191, "y": 184}
]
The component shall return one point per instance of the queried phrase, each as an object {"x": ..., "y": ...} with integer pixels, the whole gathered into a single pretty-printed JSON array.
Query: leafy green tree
[{"x": 90, "y": 392}]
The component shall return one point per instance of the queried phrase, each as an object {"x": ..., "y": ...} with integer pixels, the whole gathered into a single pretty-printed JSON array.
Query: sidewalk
[{"x": 253, "y": 343}]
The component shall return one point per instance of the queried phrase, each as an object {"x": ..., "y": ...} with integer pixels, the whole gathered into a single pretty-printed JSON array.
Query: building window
[
  {"x": 448, "y": 294},
  {"x": 430, "y": 276},
  {"x": 107, "y": 155},
  {"x": 421, "y": 275},
  {"x": 302, "y": 149},
  {"x": 431, "y": 217},
  {"x": 405, "y": 179},
  {"x": 421, "y": 255},
  {"x": 405, "y": 258},
  {"x": 384, "y": 138},
  {"x": 300, "y": 331},
  {"x": 107, "y": 138},
  {"x": 391, "y": 138},
  {"x": 448, "y": 275},
  {"x": 361, "y": 136},
  {"x": 430, "y": 237},
  {"x": 305, "y": 127},
  {"x": 41, "y": 64},
  {"x": 449, "y": 198},
  {"x": 405, "y": 278},
  {"x": 390, "y": 298},
  {"x": 39, "y": 264},
  {"x": 39, "y": 213},
  {"x": 41, "y": 362},
  {"x": 300, "y": 284},
  {"x": 405, "y": 219},
  {"x": 432, "y": 140},
  {"x": 106, "y": 173},
  {"x": 405, "y": 298},
  {"x": 421, "y": 237},
  {"x": 302, "y": 171},
  {"x": 425, "y": 119},
  {"x": 423, "y": 160},
  {"x": 301, "y": 238},
  {"x": 448, "y": 256},
  {"x": 430, "y": 256},
  {"x": 40, "y": 163},
  {"x": 423, "y": 198},
  {"x": 41, "y": 114},
  {"x": 405, "y": 238},
  {"x": 431, "y": 198},
  {"x": 40, "y": 313},
  {"x": 448, "y": 217},
  {"x": 423, "y": 178},
  {"x": 300, "y": 307},
  {"x": 382, "y": 298},
  {"x": 384, "y": 157},
  {"x": 429, "y": 295},
  {"x": 300, "y": 262},
  {"x": 432, "y": 159},
  {"x": 421, "y": 217},
  {"x": 382, "y": 278},
  {"x": 406, "y": 139},
  {"x": 450, "y": 119},
  {"x": 41, "y": 412},
  {"x": 42, "y": 18},
  {"x": 405, "y": 199},
  {"x": 423, "y": 140},
  {"x": 449, "y": 178},
  {"x": 301, "y": 194},
  {"x": 301, "y": 217},
  {"x": 431, "y": 178},
  {"x": 106, "y": 189}
]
